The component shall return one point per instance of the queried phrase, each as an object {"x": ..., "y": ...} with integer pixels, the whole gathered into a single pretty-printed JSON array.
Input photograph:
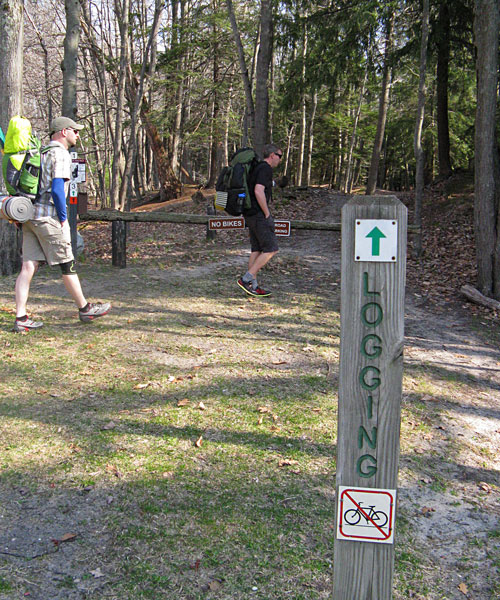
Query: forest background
[{"x": 378, "y": 94}]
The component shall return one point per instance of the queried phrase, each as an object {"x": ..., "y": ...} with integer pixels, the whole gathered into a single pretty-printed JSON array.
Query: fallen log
[{"x": 475, "y": 296}]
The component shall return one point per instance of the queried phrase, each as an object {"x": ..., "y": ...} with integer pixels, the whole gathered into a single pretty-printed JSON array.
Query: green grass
[
  {"x": 5, "y": 586},
  {"x": 190, "y": 435}
]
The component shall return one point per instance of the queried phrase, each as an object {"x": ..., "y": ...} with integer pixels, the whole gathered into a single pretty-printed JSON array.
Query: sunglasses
[
  {"x": 279, "y": 155},
  {"x": 73, "y": 130}
]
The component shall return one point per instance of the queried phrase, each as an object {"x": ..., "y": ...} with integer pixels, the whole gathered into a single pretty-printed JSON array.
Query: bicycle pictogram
[{"x": 368, "y": 513}]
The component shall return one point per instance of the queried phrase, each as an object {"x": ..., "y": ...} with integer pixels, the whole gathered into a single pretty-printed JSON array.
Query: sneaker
[
  {"x": 247, "y": 287},
  {"x": 94, "y": 311},
  {"x": 24, "y": 326}
]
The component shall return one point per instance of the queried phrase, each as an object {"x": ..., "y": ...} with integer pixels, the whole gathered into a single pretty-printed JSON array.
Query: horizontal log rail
[{"x": 163, "y": 217}]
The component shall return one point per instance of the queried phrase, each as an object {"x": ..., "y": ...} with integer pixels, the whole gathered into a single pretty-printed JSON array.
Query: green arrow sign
[{"x": 376, "y": 235}]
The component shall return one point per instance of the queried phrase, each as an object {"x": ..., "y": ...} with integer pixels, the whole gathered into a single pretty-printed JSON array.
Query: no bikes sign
[
  {"x": 366, "y": 515},
  {"x": 281, "y": 228}
]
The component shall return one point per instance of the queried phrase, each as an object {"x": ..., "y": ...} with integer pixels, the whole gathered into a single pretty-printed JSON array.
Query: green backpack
[
  {"x": 232, "y": 192},
  {"x": 21, "y": 159}
]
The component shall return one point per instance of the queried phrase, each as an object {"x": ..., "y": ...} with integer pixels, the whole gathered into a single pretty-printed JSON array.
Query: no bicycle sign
[
  {"x": 366, "y": 515},
  {"x": 282, "y": 228}
]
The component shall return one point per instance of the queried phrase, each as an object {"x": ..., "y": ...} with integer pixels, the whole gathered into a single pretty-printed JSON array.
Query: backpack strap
[
  {"x": 15, "y": 181},
  {"x": 42, "y": 152}
]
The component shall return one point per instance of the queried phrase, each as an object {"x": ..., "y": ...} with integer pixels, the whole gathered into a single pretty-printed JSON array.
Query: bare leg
[
  {"x": 74, "y": 288},
  {"x": 22, "y": 287},
  {"x": 252, "y": 259},
  {"x": 257, "y": 262}
]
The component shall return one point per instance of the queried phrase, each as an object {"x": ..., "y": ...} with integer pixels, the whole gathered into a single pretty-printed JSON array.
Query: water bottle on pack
[{"x": 240, "y": 204}]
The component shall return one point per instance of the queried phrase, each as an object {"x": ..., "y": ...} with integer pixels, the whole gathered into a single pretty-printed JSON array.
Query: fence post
[
  {"x": 374, "y": 231},
  {"x": 211, "y": 212},
  {"x": 119, "y": 244}
]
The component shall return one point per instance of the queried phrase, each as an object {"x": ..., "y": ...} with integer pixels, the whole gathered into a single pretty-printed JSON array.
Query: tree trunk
[
  {"x": 417, "y": 143},
  {"x": 176, "y": 137},
  {"x": 70, "y": 61},
  {"x": 443, "y": 60},
  {"x": 288, "y": 153},
  {"x": 215, "y": 145},
  {"x": 46, "y": 65},
  {"x": 349, "y": 178},
  {"x": 11, "y": 69},
  {"x": 120, "y": 101},
  {"x": 303, "y": 124},
  {"x": 264, "y": 56},
  {"x": 486, "y": 205},
  {"x": 250, "y": 108},
  {"x": 311, "y": 136},
  {"x": 169, "y": 184},
  {"x": 382, "y": 110}
]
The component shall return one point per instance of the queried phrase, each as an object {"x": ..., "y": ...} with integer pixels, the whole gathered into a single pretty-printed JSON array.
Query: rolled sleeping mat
[{"x": 16, "y": 208}]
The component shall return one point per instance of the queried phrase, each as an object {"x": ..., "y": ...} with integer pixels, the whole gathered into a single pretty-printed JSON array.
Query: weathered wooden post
[
  {"x": 119, "y": 244},
  {"x": 211, "y": 212},
  {"x": 374, "y": 230}
]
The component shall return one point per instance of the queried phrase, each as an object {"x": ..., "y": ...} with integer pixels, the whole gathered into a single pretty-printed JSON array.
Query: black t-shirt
[{"x": 263, "y": 175}]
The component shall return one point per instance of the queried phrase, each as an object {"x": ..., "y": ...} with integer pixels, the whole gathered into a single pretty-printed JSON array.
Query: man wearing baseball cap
[{"x": 47, "y": 237}]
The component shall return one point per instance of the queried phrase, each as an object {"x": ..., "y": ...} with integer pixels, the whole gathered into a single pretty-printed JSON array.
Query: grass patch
[{"x": 189, "y": 438}]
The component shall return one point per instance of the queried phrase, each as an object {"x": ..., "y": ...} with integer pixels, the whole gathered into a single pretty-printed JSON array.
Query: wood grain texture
[{"x": 364, "y": 570}]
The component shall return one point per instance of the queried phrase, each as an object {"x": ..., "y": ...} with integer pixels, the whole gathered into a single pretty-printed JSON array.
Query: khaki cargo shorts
[{"x": 45, "y": 240}]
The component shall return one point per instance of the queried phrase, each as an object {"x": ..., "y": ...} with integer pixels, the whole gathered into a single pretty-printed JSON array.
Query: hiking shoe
[
  {"x": 27, "y": 325},
  {"x": 94, "y": 311},
  {"x": 247, "y": 287}
]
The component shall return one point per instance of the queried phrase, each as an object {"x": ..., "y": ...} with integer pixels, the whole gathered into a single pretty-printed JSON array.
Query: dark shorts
[{"x": 262, "y": 236}]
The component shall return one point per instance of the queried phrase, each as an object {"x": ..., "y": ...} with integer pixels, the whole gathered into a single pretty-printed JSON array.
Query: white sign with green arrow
[{"x": 376, "y": 240}]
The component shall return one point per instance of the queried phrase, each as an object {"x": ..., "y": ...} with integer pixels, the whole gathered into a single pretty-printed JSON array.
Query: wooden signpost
[{"x": 374, "y": 230}]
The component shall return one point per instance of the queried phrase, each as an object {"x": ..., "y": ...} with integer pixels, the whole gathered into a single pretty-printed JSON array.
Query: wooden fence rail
[
  {"x": 161, "y": 217},
  {"x": 119, "y": 231}
]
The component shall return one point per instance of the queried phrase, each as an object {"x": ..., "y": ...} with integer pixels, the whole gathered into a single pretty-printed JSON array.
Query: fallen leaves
[
  {"x": 113, "y": 470},
  {"x": 142, "y": 386},
  {"x": 463, "y": 588},
  {"x": 427, "y": 511},
  {"x": 67, "y": 537},
  {"x": 199, "y": 442}
]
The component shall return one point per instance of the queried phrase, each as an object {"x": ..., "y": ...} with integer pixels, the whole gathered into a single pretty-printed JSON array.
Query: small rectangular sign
[
  {"x": 366, "y": 515},
  {"x": 226, "y": 223},
  {"x": 376, "y": 240},
  {"x": 282, "y": 228}
]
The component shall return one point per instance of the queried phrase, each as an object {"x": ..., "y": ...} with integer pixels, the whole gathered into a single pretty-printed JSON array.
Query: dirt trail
[{"x": 449, "y": 481}]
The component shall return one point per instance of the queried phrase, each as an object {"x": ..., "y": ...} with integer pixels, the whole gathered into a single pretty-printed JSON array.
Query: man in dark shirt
[{"x": 263, "y": 243}]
